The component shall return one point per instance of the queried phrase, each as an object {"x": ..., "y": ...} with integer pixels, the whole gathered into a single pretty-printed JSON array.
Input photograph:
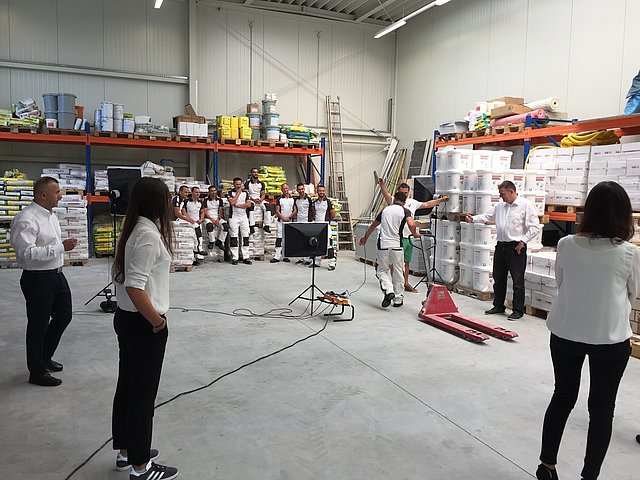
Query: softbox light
[
  {"x": 423, "y": 190},
  {"x": 121, "y": 182},
  {"x": 305, "y": 239}
]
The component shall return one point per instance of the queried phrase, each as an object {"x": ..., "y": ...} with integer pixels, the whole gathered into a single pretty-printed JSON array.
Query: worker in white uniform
[
  {"x": 392, "y": 221},
  {"x": 239, "y": 202},
  {"x": 304, "y": 213},
  {"x": 407, "y": 241},
  {"x": 325, "y": 212},
  {"x": 256, "y": 189},
  {"x": 285, "y": 212},
  {"x": 191, "y": 213},
  {"x": 177, "y": 202},
  {"x": 212, "y": 216}
]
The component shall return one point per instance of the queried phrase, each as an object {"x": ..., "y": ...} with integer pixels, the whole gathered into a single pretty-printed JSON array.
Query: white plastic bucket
[
  {"x": 535, "y": 181},
  {"x": 483, "y": 255},
  {"x": 107, "y": 109},
  {"x": 128, "y": 125},
  {"x": 482, "y": 279},
  {"x": 496, "y": 180},
  {"x": 97, "y": 119},
  {"x": 482, "y": 160},
  {"x": 466, "y": 253},
  {"x": 441, "y": 161},
  {"x": 466, "y": 275},
  {"x": 501, "y": 160},
  {"x": 450, "y": 230},
  {"x": 106, "y": 124},
  {"x": 538, "y": 200},
  {"x": 118, "y": 111},
  {"x": 517, "y": 177},
  {"x": 469, "y": 180},
  {"x": 441, "y": 181},
  {"x": 450, "y": 271},
  {"x": 449, "y": 250},
  {"x": 118, "y": 124},
  {"x": 467, "y": 232},
  {"x": 453, "y": 180},
  {"x": 268, "y": 106},
  {"x": 51, "y": 122},
  {"x": 437, "y": 227},
  {"x": 468, "y": 202},
  {"x": 453, "y": 204},
  {"x": 459, "y": 159},
  {"x": 485, "y": 234},
  {"x": 485, "y": 180},
  {"x": 483, "y": 201}
]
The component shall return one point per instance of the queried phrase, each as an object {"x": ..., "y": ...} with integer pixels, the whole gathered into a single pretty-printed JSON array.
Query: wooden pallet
[
  {"x": 529, "y": 310},
  {"x": 445, "y": 137},
  {"x": 180, "y": 268},
  {"x": 112, "y": 134},
  {"x": 71, "y": 191},
  {"x": 472, "y": 134},
  {"x": 185, "y": 139},
  {"x": 102, "y": 254},
  {"x": 17, "y": 129},
  {"x": 305, "y": 146},
  {"x": 373, "y": 263},
  {"x": 272, "y": 144},
  {"x": 509, "y": 128},
  {"x": 64, "y": 131},
  {"x": 635, "y": 346},
  {"x": 258, "y": 258},
  {"x": 470, "y": 292},
  {"x": 152, "y": 136},
  {"x": 563, "y": 208},
  {"x": 76, "y": 262},
  {"x": 236, "y": 141},
  {"x": 417, "y": 274}
]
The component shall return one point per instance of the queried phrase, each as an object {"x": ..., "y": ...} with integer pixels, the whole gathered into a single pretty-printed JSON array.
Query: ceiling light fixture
[
  {"x": 403, "y": 20},
  {"x": 158, "y": 4}
]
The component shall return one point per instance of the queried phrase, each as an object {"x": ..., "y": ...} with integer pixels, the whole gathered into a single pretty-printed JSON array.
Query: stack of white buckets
[
  {"x": 470, "y": 178},
  {"x": 110, "y": 117}
]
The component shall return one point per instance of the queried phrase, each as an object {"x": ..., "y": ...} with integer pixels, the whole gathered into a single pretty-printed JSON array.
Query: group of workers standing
[{"x": 242, "y": 202}]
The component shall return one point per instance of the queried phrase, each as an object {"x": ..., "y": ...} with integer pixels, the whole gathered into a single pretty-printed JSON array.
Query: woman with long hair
[
  {"x": 598, "y": 276},
  {"x": 141, "y": 278}
]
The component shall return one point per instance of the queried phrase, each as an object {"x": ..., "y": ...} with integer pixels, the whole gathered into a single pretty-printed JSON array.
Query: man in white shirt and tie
[
  {"x": 36, "y": 238},
  {"x": 517, "y": 223}
]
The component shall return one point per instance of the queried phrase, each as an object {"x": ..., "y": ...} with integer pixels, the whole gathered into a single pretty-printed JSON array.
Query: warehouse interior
[{"x": 451, "y": 96}]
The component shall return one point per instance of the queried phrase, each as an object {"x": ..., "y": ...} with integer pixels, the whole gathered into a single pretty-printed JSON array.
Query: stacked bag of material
[
  {"x": 24, "y": 114},
  {"x": 103, "y": 234},
  {"x": 7, "y": 254},
  {"x": 71, "y": 176},
  {"x": 273, "y": 178},
  {"x": 183, "y": 241},
  {"x": 100, "y": 181},
  {"x": 72, "y": 215},
  {"x": 150, "y": 169},
  {"x": 298, "y": 133},
  {"x": 15, "y": 194}
]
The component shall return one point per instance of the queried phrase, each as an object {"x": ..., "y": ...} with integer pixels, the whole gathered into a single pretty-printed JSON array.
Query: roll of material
[
  {"x": 551, "y": 104},
  {"x": 539, "y": 113}
]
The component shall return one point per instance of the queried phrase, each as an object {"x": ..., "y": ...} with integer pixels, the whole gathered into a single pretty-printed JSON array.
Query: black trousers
[
  {"x": 141, "y": 353},
  {"x": 506, "y": 260},
  {"x": 48, "y": 299},
  {"x": 606, "y": 366}
]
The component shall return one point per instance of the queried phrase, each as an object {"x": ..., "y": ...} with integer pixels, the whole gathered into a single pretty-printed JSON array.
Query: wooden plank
[{"x": 185, "y": 139}]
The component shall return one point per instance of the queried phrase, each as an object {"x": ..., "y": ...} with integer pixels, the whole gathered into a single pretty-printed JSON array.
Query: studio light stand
[{"x": 313, "y": 242}]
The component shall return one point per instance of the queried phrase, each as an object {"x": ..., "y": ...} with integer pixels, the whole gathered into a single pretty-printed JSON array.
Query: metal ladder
[{"x": 336, "y": 185}]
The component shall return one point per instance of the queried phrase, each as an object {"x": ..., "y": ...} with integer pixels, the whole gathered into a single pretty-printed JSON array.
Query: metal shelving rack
[{"x": 533, "y": 134}]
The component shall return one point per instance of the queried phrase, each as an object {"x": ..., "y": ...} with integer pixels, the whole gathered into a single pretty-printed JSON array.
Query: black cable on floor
[
  {"x": 364, "y": 266},
  {"x": 188, "y": 392}
]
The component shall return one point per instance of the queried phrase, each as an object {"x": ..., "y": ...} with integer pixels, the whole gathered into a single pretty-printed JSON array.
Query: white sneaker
[{"x": 398, "y": 301}]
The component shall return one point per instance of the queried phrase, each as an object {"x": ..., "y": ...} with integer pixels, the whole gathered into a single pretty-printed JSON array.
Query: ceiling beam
[{"x": 375, "y": 10}]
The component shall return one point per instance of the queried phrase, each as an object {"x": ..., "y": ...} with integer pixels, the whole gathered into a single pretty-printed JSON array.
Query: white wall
[
  {"x": 583, "y": 51},
  {"x": 286, "y": 53},
  {"x": 117, "y": 35}
]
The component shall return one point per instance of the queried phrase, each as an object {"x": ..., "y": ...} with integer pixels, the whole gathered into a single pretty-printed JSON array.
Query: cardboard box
[
  {"x": 542, "y": 301},
  {"x": 508, "y": 100},
  {"x": 630, "y": 147},
  {"x": 187, "y": 119},
  {"x": 613, "y": 149},
  {"x": 508, "y": 110},
  {"x": 190, "y": 110},
  {"x": 582, "y": 150}
]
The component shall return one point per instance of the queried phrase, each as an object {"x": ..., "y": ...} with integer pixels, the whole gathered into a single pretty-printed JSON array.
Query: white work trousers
[
  {"x": 216, "y": 232},
  {"x": 279, "y": 240},
  {"x": 266, "y": 215},
  {"x": 331, "y": 251},
  {"x": 390, "y": 265},
  {"x": 239, "y": 225}
]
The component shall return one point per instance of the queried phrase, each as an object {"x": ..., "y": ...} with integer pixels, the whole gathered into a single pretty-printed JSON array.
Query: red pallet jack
[{"x": 440, "y": 311}]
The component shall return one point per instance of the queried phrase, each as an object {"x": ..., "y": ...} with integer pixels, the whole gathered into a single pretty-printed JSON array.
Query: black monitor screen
[
  {"x": 423, "y": 190},
  {"x": 305, "y": 239},
  {"x": 122, "y": 180}
]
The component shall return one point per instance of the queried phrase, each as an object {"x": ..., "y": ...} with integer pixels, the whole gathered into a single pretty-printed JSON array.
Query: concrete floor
[{"x": 382, "y": 397}]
